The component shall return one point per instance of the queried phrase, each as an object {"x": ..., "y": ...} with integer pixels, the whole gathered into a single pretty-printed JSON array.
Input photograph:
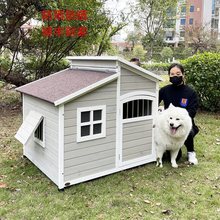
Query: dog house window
[
  {"x": 137, "y": 108},
  {"x": 85, "y": 116},
  {"x": 91, "y": 123},
  {"x": 39, "y": 133}
]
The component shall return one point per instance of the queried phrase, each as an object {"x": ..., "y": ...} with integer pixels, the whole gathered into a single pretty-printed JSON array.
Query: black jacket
[{"x": 180, "y": 96}]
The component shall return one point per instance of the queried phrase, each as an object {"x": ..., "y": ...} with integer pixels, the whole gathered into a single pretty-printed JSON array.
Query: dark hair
[
  {"x": 135, "y": 59},
  {"x": 179, "y": 66}
]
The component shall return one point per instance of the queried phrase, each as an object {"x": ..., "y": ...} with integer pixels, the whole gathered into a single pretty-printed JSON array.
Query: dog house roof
[
  {"x": 71, "y": 83},
  {"x": 61, "y": 84}
]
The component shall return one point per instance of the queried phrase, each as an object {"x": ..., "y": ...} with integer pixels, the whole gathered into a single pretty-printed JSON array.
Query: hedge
[
  {"x": 203, "y": 74},
  {"x": 157, "y": 66}
]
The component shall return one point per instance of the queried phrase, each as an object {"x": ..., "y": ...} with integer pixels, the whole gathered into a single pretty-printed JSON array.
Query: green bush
[
  {"x": 182, "y": 52},
  {"x": 139, "y": 52},
  {"x": 157, "y": 66},
  {"x": 203, "y": 73},
  {"x": 166, "y": 54}
]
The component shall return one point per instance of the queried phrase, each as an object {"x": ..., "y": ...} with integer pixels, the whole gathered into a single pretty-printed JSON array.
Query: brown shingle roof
[{"x": 59, "y": 85}]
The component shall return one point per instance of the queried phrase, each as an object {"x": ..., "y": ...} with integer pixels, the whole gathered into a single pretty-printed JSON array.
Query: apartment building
[
  {"x": 215, "y": 24},
  {"x": 192, "y": 13}
]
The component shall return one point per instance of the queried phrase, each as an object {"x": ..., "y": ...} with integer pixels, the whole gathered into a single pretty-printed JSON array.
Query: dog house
[{"x": 90, "y": 120}]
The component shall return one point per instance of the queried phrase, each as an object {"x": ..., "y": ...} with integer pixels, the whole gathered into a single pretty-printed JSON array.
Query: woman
[{"x": 181, "y": 95}]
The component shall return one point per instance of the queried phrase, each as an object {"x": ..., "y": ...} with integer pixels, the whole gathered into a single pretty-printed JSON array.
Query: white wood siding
[
  {"x": 90, "y": 157},
  {"x": 46, "y": 159},
  {"x": 94, "y": 63},
  {"x": 131, "y": 82},
  {"x": 137, "y": 139}
]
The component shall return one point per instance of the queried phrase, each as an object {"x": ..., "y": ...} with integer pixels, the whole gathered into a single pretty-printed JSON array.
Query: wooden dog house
[{"x": 90, "y": 120}]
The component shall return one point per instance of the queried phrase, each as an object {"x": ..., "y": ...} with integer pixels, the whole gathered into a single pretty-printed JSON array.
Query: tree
[
  {"x": 139, "y": 52},
  {"x": 181, "y": 52},
  {"x": 152, "y": 16},
  {"x": 109, "y": 30},
  {"x": 200, "y": 39},
  {"x": 13, "y": 14},
  {"x": 43, "y": 55},
  {"x": 167, "y": 54},
  {"x": 134, "y": 38}
]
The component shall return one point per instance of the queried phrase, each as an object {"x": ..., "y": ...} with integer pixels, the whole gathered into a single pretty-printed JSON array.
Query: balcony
[
  {"x": 168, "y": 29},
  {"x": 182, "y": 14},
  {"x": 170, "y": 40},
  {"x": 216, "y": 16},
  {"x": 217, "y": 3},
  {"x": 182, "y": 27}
]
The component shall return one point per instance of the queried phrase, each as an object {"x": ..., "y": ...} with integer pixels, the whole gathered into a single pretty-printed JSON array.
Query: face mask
[{"x": 176, "y": 80}]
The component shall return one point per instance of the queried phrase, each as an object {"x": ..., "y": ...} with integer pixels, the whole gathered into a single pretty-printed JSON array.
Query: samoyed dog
[{"x": 172, "y": 127}]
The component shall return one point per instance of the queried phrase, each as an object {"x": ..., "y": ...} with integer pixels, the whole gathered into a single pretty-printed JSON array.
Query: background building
[
  {"x": 215, "y": 24},
  {"x": 192, "y": 13}
]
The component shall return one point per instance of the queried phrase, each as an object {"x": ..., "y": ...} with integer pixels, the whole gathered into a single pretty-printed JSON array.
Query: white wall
[
  {"x": 207, "y": 14},
  {"x": 46, "y": 159}
]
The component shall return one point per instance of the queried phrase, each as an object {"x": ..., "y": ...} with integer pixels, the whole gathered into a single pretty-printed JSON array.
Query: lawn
[{"x": 145, "y": 192}]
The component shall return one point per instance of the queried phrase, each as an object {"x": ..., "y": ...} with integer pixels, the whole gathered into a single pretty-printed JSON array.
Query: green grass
[
  {"x": 190, "y": 192},
  {"x": 145, "y": 192}
]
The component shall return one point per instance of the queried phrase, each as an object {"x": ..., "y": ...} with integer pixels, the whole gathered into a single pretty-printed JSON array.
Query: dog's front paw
[
  {"x": 174, "y": 165},
  {"x": 159, "y": 162},
  {"x": 159, "y": 165}
]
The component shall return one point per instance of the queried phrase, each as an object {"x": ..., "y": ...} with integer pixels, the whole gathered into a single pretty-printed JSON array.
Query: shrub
[
  {"x": 182, "y": 52},
  {"x": 167, "y": 54},
  {"x": 139, "y": 52},
  {"x": 157, "y": 66},
  {"x": 203, "y": 73}
]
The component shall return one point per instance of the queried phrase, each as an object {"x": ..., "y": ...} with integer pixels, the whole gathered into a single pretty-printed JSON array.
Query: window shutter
[{"x": 29, "y": 125}]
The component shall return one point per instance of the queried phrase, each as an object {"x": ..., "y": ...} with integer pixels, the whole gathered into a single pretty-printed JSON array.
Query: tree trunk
[{"x": 15, "y": 79}]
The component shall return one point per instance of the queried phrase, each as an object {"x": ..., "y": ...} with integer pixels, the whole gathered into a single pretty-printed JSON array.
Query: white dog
[{"x": 172, "y": 126}]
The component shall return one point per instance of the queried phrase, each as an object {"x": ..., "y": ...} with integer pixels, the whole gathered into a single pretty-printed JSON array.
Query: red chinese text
[
  {"x": 48, "y": 31},
  {"x": 64, "y": 15}
]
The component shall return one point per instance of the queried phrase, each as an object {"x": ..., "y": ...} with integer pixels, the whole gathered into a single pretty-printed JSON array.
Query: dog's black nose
[{"x": 171, "y": 124}]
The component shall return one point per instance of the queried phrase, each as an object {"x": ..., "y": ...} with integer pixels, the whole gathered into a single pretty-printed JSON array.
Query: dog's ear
[{"x": 171, "y": 105}]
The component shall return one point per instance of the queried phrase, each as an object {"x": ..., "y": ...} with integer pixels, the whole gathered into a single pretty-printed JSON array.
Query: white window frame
[
  {"x": 38, "y": 141},
  {"x": 91, "y": 123},
  {"x": 141, "y": 118}
]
